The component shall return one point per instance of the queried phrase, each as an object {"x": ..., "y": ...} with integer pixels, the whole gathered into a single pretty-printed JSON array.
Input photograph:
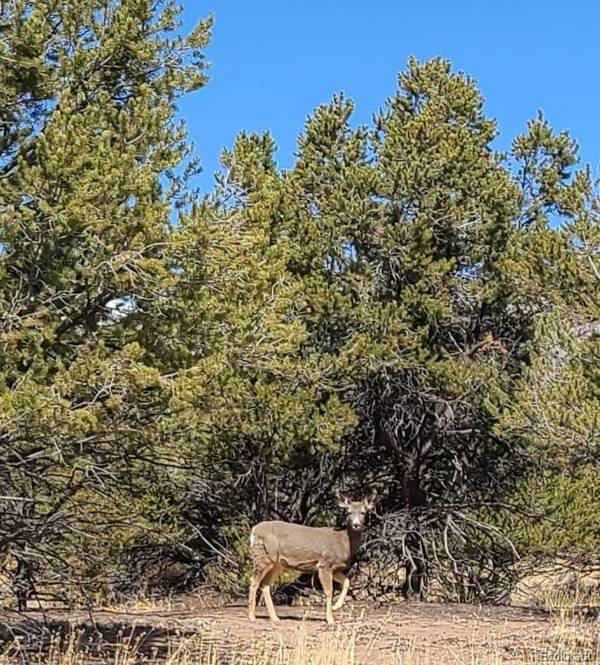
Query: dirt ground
[{"x": 428, "y": 632}]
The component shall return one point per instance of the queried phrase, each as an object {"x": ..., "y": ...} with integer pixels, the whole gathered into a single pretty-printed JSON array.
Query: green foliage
[
  {"x": 396, "y": 264},
  {"x": 567, "y": 519},
  {"x": 88, "y": 98},
  {"x": 401, "y": 309}
]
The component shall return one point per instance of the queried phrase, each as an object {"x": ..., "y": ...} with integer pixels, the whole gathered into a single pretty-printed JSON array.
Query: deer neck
[{"x": 355, "y": 539}]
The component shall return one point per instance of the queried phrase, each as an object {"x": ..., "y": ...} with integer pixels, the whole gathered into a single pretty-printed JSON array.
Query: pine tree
[
  {"x": 404, "y": 309},
  {"x": 254, "y": 402},
  {"x": 90, "y": 152},
  {"x": 407, "y": 265},
  {"x": 553, "y": 275}
]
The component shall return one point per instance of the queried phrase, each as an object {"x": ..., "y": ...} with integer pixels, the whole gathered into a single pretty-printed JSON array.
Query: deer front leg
[
  {"x": 252, "y": 598},
  {"x": 326, "y": 577},
  {"x": 345, "y": 582}
]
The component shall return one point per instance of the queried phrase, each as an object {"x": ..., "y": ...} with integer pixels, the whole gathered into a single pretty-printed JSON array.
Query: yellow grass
[
  {"x": 571, "y": 637},
  {"x": 567, "y": 641},
  {"x": 557, "y": 587}
]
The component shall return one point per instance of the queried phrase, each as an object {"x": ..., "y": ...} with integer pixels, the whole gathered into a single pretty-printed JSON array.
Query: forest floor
[{"x": 412, "y": 633}]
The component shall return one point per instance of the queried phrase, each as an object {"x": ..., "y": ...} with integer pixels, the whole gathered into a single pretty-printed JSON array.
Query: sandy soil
[{"x": 440, "y": 633}]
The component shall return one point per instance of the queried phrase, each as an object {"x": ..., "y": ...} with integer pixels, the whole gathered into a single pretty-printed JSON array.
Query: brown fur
[
  {"x": 278, "y": 546},
  {"x": 303, "y": 548}
]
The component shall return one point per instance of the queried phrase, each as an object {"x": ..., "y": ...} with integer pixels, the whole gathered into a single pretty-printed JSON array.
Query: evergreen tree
[
  {"x": 90, "y": 149},
  {"x": 404, "y": 309},
  {"x": 553, "y": 275},
  {"x": 406, "y": 267}
]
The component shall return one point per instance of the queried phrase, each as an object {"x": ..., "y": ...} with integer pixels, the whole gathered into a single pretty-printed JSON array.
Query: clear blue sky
[{"x": 274, "y": 61}]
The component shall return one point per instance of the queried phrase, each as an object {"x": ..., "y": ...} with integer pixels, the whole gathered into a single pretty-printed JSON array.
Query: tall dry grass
[
  {"x": 571, "y": 636},
  {"x": 568, "y": 640}
]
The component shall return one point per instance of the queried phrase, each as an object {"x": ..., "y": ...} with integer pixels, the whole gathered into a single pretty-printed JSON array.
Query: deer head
[{"x": 356, "y": 511}]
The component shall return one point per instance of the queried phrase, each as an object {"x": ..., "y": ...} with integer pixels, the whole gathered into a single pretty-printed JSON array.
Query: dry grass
[
  {"x": 200, "y": 598},
  {"x": 558, "y": 585},
  {"x": 568, "y": 640},
  {"x": 419, "y": 634}
]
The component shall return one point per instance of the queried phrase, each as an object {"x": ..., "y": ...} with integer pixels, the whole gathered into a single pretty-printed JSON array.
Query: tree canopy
[{"x": 405, "y": 309}]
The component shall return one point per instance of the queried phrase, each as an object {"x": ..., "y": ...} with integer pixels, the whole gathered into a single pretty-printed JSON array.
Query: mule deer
[{"x": 278, "y": 546}]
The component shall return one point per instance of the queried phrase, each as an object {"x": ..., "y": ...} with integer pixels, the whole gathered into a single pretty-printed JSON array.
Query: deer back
[{"x": 302, "y": 547}]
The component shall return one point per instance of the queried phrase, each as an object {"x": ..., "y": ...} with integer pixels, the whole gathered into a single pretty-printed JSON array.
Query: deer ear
[
  {"x": 341, "y": 499},
  {"x": 370, "y": 500}
]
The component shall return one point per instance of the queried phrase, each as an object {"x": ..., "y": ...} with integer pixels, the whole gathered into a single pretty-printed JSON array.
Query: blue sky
[{"x": 273, "y": 62}]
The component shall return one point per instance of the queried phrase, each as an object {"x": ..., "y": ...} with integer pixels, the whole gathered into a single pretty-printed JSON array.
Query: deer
[{"x": 277, "y": 546}]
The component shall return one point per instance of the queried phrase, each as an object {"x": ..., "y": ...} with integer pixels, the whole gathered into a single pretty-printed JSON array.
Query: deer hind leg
[
  {"x": 326, "y": 577},
  {"x": 345, "y": 582},
  {"x": 257, "y": 578},
  {"x": 270, "y": 578}
]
